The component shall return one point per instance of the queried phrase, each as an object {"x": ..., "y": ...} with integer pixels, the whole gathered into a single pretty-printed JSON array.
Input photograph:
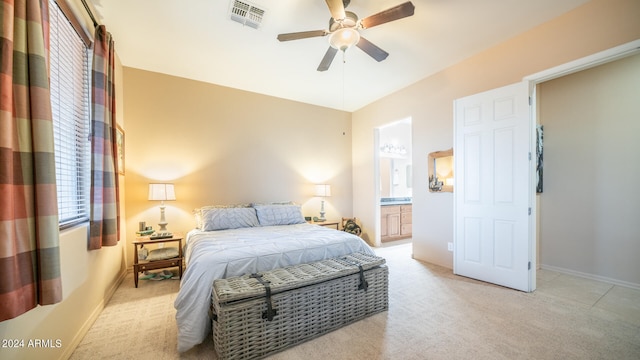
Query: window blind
[{"x": 69, "y": 84}]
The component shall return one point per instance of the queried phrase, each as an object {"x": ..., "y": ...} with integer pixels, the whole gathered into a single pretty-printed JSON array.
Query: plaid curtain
[
  {"x": 29, "y": 235},
  {"x": 105, "y": 209}
]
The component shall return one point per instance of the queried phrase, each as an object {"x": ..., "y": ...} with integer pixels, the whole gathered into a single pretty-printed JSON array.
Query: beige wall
[
  {"x": 221, "y": 146},
  {"x": 589, "y": 208},
  {"x": 89, "y": 278},
  {"x": 596, "y": 26}
]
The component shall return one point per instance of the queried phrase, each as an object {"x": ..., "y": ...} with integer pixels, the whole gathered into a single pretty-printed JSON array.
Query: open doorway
[
  {"x": 394, "y": 181},
  {"x": 590, "y": 119}
]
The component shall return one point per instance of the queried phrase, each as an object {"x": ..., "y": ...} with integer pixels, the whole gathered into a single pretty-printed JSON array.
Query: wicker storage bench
[{"x": 259, "y": 314}]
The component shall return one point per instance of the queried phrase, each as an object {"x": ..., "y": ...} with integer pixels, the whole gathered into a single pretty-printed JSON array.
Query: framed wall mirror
[{"x": 441, "y": 171}]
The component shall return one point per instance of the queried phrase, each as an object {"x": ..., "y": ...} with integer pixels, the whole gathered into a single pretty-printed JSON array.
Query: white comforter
[{"x": 214, "y": 255}]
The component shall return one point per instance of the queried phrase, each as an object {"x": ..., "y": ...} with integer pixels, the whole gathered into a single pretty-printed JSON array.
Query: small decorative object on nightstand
[{"x": 141, "y": 264}]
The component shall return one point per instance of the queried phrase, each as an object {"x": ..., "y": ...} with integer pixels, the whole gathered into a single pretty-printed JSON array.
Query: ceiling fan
[{"x": 343, "y": 30}]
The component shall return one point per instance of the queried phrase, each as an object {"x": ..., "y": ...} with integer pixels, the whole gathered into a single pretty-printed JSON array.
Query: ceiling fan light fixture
[{"x": 344, "y": 38}]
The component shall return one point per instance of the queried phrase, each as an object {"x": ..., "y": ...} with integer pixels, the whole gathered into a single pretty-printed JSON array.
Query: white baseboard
[
  {"x": 591, "y": 276},
  {"x": 93, "y": 317}
]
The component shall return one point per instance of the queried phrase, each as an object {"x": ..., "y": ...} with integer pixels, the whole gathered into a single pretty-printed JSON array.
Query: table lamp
[
  {"x": 322, "y": 190},
  {"x": 162, "y": 192}
]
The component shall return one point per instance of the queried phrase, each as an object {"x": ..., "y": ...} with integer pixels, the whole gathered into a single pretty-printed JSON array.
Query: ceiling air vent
[{"x": 246, "y": 14}]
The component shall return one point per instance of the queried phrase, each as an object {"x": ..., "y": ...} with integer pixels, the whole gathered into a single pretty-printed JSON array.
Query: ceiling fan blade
[
  {"x": 327, "y": 59},
  {"x": 391, "y": 14},
  {"x": 301, "y": 35},
  {"x": 371, "y": 49},
  {"x": 336, "y": 7}
]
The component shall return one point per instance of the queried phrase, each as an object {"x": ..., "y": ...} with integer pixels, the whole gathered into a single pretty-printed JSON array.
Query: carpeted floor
[{"x": 433, "y": 314}]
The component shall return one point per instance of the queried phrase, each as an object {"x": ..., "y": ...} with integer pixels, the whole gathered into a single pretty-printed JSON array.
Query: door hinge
[
  {"x": 529, "y": 265},
  {"x": 529, "y": 211},
  {"x": 530, "y": 101},
  {"x": 529, "y": 155}
]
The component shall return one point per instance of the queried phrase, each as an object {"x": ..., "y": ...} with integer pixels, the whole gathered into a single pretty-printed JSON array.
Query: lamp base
[
  {"x": 163, "y": 223},
  {"x": 163, "y": 227},
  {"x": 322, "y": 212}
]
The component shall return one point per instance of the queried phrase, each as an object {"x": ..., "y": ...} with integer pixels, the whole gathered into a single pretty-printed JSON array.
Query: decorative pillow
[
  {"x": 163, "y": 253},
  {"x": 198, "y": 212},
  {"x": 279, "y": 214},
  {"x": 228, "y": 218}
]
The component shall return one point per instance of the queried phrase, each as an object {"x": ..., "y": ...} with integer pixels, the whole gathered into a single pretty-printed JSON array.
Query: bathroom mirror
[
  {"x": 441, "y": 171},
  {"x": 395, "y": 177}
]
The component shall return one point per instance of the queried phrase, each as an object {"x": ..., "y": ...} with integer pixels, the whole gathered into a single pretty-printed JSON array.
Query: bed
[{"x": 232, "y": 241}]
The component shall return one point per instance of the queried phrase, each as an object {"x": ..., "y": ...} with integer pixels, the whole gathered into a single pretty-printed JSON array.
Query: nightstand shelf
[{"x": 145, "y": 265}]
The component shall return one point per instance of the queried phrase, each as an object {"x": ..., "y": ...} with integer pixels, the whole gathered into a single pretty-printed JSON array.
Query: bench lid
[{"x": 292, "y": 277}]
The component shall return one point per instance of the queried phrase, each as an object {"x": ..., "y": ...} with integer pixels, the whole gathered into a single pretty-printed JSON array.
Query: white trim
[
  {"x": 586, "y": 62},
  {"x": 591, "y": 277},
  {"x": 533, "y": 179}
]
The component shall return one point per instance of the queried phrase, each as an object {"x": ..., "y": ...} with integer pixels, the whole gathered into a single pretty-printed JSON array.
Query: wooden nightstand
[
  {"x": 328, "y": 223},
  {"x": 145, "y": 265}
]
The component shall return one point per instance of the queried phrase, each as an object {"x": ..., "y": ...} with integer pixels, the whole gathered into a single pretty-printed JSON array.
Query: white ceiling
[{"x": 195, "y": 39}]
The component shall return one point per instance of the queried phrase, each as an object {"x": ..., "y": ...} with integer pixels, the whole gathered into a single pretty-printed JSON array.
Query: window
[{"x": 69, "y": 62}]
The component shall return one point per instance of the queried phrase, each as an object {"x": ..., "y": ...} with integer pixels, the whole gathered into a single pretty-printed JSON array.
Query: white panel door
[{"x": 492, "y": 190}]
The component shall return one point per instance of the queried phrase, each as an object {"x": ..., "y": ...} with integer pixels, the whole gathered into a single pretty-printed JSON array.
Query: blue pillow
[
  {"x": 269, "y": 215},
  {"x": 228, "y": 218}
]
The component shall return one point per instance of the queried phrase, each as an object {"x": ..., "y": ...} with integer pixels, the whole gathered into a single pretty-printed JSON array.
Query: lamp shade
[
  {"x": 344, "y": 38},
  {"x": 322, "y": 190},
  {"x": 161, "y": 192}
]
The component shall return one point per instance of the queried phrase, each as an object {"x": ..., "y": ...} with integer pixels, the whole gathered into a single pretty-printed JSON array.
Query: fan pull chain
[{"x": 343, "y": 81}]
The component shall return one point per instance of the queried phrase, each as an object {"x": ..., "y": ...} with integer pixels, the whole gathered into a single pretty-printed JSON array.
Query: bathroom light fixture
[{"x": 393, "y": 149}]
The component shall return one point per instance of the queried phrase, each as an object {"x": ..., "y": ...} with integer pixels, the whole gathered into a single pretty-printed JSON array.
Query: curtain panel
[
  {"x": 105, "y": 209},
  {"x": 29, "y": 234}
]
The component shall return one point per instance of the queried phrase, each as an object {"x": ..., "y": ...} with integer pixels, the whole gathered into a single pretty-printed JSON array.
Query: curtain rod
[{"x": 86, "y": 7}]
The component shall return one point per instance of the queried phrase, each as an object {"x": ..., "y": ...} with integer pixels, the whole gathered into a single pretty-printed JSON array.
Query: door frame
[
  {"x": 584, "y": 63},
  {"x": 377, "y": 241}
]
